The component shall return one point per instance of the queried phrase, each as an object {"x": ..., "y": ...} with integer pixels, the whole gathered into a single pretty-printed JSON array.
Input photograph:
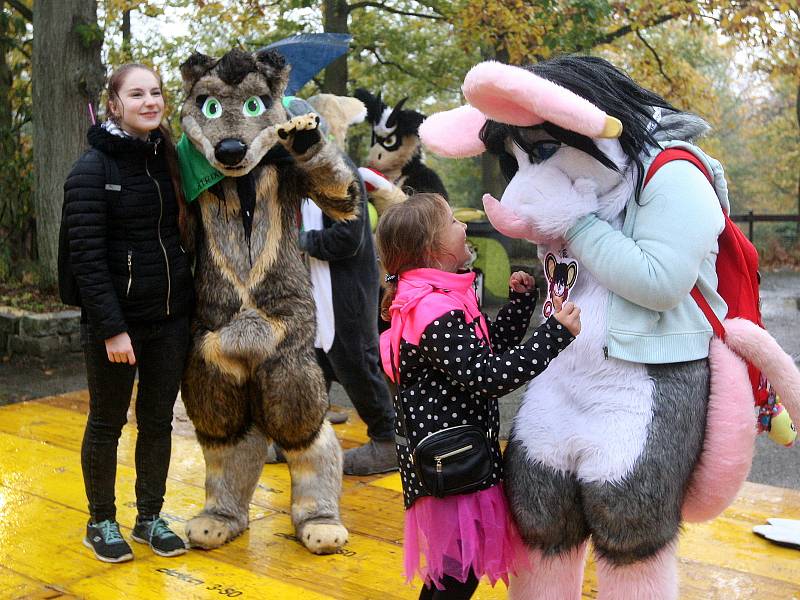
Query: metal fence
[{"x": 750, "y": 218}]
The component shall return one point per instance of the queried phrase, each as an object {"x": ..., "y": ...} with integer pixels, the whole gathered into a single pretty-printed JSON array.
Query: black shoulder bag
[
  {"x": 67, "y": 285},
  {"x": 455, "y": 460}
]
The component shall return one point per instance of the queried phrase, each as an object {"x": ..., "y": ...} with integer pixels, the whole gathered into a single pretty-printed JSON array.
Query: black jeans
[
  {"x": 160, "y": 350},
  {"x": 453, "y": 589},
  {"x": 359, "y": 372}
]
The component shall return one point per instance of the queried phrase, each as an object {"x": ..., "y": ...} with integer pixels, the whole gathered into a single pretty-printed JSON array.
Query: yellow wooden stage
[{"x": 43, "y": 516}]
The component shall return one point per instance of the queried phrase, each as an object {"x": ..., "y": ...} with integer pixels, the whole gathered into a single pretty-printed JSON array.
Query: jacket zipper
[
  {"x": 130, "y": 272},
  {"x": 160, "y": 215},
  {"x": 439, "y": 458}
]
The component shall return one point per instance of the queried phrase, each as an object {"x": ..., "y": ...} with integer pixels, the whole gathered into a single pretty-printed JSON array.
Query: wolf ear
[
  {"x": 274, "y": 67},
  {"x": 194, "y": 67},
  {"x": 373, "y": 103},
  {"x": 413, "y": 119}
]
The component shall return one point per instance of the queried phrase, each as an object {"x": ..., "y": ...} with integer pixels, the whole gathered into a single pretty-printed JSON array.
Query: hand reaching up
[
  {"x": 569, "y": 315},
  {"x": 520, "y": 281}
]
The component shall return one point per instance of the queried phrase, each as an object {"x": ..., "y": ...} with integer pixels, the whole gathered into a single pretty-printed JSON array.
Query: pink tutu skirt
[{"x": 449, "y": 536}]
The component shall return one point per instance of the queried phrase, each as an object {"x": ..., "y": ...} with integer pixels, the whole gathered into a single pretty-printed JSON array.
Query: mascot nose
[{"x": 230, "y": 151}]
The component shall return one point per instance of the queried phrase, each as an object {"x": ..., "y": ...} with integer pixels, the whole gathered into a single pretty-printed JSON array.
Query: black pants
[
  {"x": 359, "y": 372},
  {"x": 160, "y": 350},
  {"x": 453, "y": 589}
]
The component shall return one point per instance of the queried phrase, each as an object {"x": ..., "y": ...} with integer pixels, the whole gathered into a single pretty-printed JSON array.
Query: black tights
[{"x": 453, "y": 589}]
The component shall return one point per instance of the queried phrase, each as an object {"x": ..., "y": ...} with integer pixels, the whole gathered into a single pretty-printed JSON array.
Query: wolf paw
[
  {"x": 299, "y": 134},
  {"x": 322, "y": 538},
  {"x": 205, "y": 531}
]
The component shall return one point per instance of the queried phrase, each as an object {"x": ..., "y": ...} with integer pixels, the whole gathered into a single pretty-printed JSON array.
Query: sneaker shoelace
[
  {"x": 110, "y": 531},
  {"x": 159, "y": 529}
]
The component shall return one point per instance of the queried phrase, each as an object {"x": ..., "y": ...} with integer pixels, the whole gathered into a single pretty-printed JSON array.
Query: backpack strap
[
  {"x": 671, "y": 154},
  {"x": 664, "y": 157},
  {"x": 113, "y": 185}
]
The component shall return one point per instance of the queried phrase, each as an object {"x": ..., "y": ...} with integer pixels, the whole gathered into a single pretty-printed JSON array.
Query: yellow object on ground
[
  {"x": 465, "y": 215},
  {"x": 43, "y": 516}
]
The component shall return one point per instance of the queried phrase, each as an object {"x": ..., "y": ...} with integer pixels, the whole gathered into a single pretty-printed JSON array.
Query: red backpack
[{"x": 737, "y": 271}]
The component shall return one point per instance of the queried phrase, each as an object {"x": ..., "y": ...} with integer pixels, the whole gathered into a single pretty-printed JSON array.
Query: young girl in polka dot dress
[{"x": 453, "y": 364}]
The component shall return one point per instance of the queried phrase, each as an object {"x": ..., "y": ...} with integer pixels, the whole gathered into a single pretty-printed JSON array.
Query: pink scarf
[{"x": 422, "y": 296}]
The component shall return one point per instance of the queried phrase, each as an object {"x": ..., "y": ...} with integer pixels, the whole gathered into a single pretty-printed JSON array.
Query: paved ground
[{"x": 773, "y": 465}]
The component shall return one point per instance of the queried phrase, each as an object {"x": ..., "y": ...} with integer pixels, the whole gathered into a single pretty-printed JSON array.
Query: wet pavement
[{"x": 773, "y": 465}]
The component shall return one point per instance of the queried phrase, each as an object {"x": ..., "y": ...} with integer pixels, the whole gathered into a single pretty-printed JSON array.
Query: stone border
[{"x": 42, "y": 335}]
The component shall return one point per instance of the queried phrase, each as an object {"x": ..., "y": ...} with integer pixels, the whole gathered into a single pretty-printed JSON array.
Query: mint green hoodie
[{"x": 668, "y": 242}]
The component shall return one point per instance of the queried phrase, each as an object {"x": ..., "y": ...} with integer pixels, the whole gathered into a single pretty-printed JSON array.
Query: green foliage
[
  {"x": 461, "y": 178},
  {"x": 90, "y": 34},
  {"x": 17, "y": 235}
]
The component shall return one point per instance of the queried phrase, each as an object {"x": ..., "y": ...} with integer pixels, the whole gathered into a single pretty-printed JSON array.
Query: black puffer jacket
[{"x": 126, "y": 257}]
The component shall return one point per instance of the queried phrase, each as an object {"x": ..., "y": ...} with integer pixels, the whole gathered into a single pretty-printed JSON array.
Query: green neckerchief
[{"x": 197, "y": 174}]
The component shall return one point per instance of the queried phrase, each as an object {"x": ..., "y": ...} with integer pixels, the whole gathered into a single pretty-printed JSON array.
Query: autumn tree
[
  {"x": 771, "y": 31},
  {"x": 67, "y": 75},
  {"x": 16, "y": 213}
]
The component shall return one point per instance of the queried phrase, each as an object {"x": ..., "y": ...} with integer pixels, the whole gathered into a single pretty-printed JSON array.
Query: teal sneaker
[
  {"x": 161, "y": 538},
  {"x": 106, "y": 541}
]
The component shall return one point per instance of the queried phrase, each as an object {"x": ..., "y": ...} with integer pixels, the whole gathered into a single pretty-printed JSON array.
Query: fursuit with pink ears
[{"x": 647, "y": 419}]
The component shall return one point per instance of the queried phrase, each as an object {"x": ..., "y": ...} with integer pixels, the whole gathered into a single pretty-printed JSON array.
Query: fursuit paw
[
  {"x": 300, "y": 134},
  {"x": 322, "y": 537},
  {"x": 211, "y": 531},
  {"x": 248, "y": 337}
]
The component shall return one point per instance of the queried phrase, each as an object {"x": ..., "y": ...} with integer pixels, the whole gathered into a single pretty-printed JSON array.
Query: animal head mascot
[
  {"x": 395, "y": 157},
  {"x": 647, "y": 416},
  {"x": 251, "y": 374}
]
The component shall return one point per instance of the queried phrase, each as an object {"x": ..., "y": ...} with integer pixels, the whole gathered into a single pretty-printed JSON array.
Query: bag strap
[
  {"x": 400, "y": 440},
  {"x": 664, "y": 157},
  {"x": 113, "y": 181},
  {"x": 671, "y": 154}
]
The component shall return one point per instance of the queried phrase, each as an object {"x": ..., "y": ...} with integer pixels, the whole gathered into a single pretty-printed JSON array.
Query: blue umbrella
[{"x": 308, "y": 54}]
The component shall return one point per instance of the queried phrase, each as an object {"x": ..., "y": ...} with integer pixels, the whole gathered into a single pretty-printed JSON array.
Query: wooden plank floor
[{"x": 43, "y": 516}]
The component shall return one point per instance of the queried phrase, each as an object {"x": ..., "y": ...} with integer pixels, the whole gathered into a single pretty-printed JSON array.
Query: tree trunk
[
  {"x": 336, "y": 15},
  {"x": 126, "y": 35},
  {"x": 492, "y": 179},
  {"x": 67, "y": 74}
]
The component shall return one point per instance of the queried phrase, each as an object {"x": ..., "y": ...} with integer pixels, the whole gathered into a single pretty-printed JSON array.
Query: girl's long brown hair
[
  {"x": 408, "y": 238},
  {"x": 114, "y": 84}
]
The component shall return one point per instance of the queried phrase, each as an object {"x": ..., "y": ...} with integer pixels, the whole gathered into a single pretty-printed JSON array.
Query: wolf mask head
[
  {"x": 395, "y": 139},
  {"x": 233, "y": 106}
]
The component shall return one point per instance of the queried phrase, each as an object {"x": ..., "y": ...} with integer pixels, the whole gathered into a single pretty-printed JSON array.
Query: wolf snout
[{"x": 230, "y": 151}]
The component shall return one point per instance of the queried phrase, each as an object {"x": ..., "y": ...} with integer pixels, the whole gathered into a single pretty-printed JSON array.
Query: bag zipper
[
  {"x": 130, "y": 272},
  {"x": 488, "y": 434},
  {"x": 450, "y": 454}
]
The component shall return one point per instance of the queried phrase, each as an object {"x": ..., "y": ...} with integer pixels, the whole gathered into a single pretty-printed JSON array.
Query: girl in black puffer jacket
[{"x": 136, "y": 294}]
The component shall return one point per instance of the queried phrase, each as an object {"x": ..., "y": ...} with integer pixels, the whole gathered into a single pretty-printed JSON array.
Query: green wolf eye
[
  {"x": 212, "y": 109},
  {"x": 253, "y": 107}
]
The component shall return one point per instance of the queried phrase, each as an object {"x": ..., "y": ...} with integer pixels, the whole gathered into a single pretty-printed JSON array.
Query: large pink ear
[
  {"x": 454, "y": 133},
  {"x": 515, "y": 96}
]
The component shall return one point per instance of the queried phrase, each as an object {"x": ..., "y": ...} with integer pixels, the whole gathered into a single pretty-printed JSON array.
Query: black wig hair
[{"x": 605, "y": 86}]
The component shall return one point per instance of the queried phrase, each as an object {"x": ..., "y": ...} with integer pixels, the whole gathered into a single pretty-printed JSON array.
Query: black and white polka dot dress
[{"x": 454, "y": 377}]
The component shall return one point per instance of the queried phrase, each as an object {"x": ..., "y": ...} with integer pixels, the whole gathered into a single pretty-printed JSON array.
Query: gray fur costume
[{"x": 252, "y": 376}]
